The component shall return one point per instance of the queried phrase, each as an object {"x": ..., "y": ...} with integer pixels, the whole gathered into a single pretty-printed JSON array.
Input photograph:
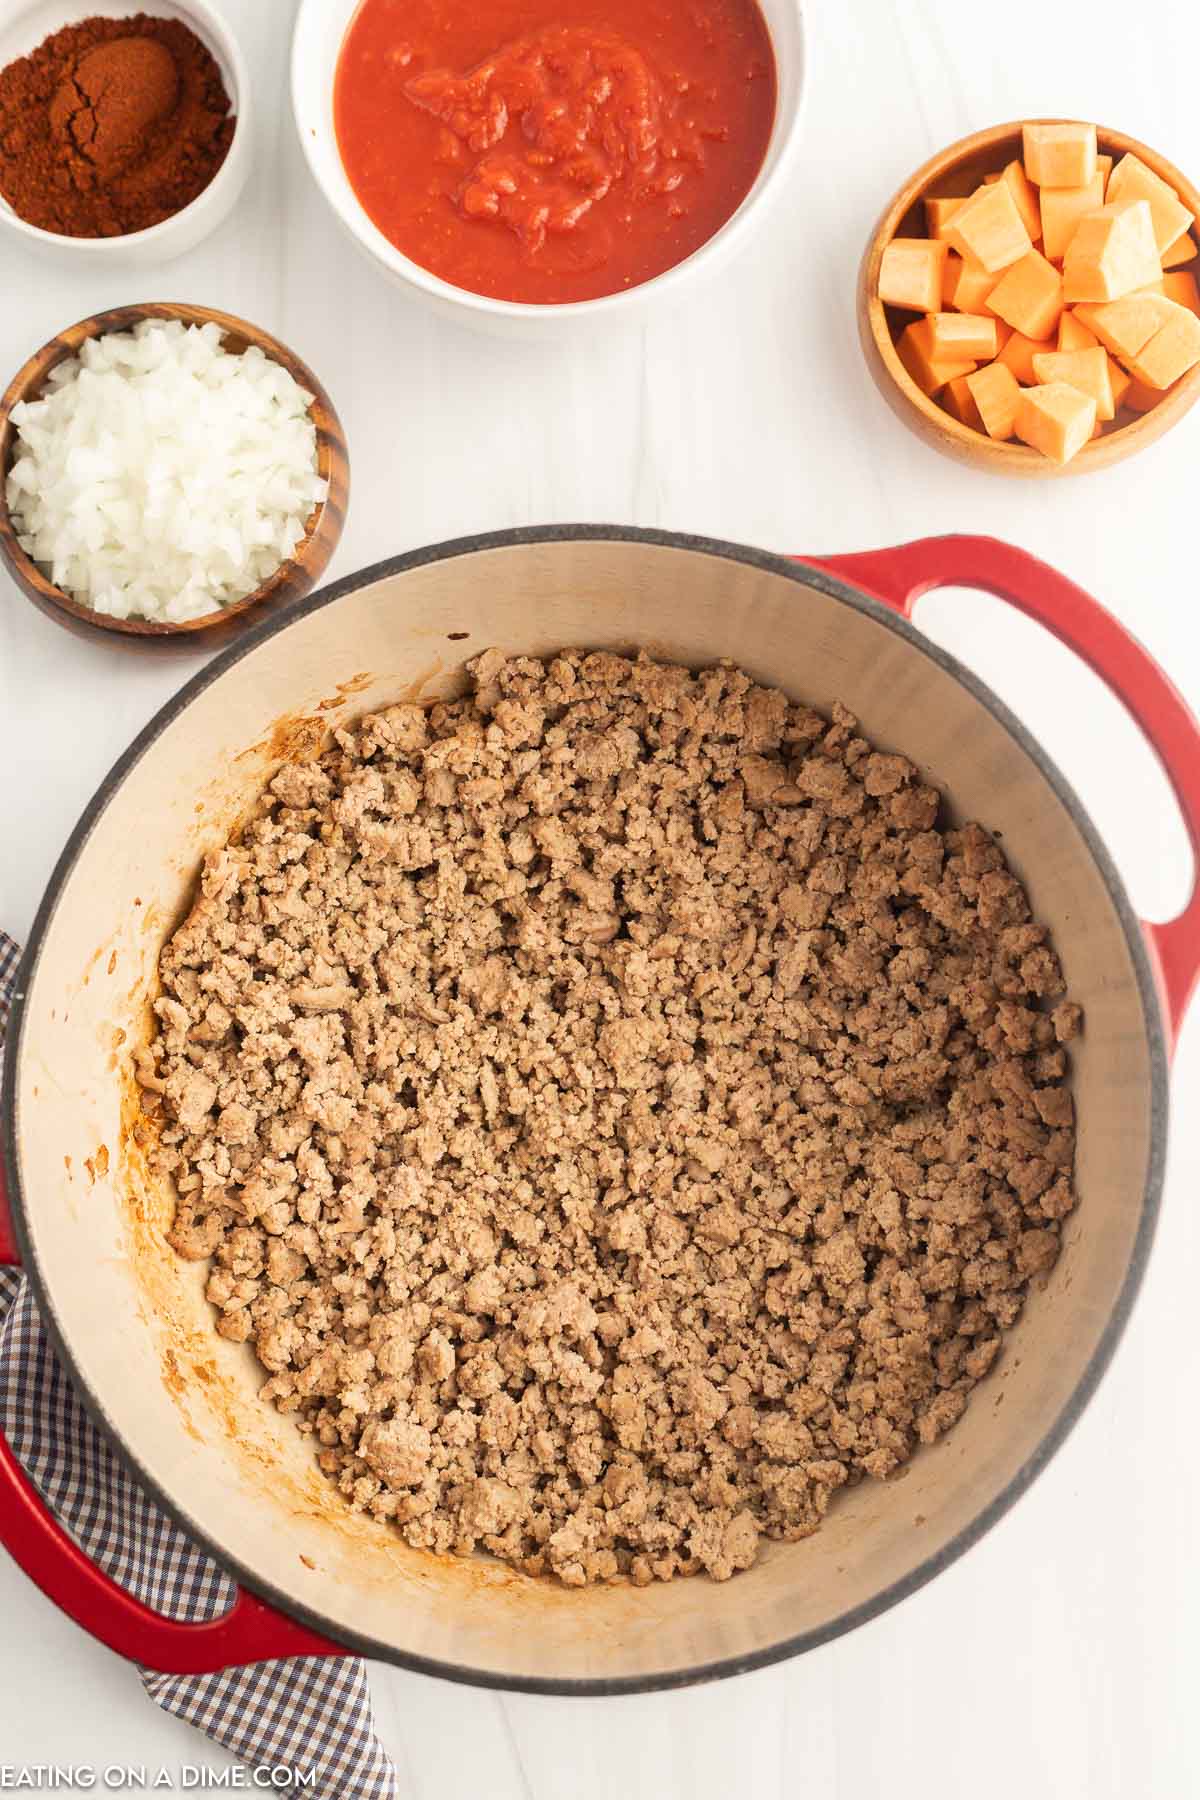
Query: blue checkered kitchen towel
[{"x": 310, "y": 1713}]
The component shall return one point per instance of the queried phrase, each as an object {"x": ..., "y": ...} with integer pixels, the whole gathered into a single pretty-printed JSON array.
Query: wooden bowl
[
  {"x": 959, "y": 170},
  {"x": 292, "y": 579}
]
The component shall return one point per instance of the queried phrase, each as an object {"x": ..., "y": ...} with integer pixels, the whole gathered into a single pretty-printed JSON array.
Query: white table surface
[{"x": 1054, "y": 1659}]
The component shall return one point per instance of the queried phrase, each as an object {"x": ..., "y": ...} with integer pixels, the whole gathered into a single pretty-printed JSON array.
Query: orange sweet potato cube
[
  {"x": 1060, "y": 155},
  {"x": 1140, "y": 398},
  {"x": 1018, "y": 354},
  {"x": 1086, "y": 370},
  {"x": 1025, "y": 198},
  {"x": 956, "y": 336},
  {"x": 1104, "y": 167},
  {"x": 959, "y": 403},
  {"x": 988, "y": 228},
  {"x": 1132, "y": 179},
  {"x": 1120, "y": 383},
  {"x": 967, "y": 284},
  {"x": 1073, "y": 334},
  {"x": 1124, "y": 326},
  {"x": 938, "y": 213},
  {"x": 1029, "y": 296},
  {"x": 910, "y": 274},
  {"x": 1112, "y": 253},
  {"x": 996, "y": 394},
  {"x": 950, "y": 274},
  {"x": 1061, "y": 211},
  {"x": 1183, "y": 250},
  {"x": 1056, "y": 419},
  {"x": 915, "y": 349},
  {"x": 1180, "y": 286},
  {"x": 1170, "y": 353}
]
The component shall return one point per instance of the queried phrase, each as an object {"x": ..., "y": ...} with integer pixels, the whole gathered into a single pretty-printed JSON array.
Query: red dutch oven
[{"x": 87, "y": 1216}]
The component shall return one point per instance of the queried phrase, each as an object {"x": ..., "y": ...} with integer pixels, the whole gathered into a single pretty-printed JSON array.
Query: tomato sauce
[{"x": 553, "y": 152}]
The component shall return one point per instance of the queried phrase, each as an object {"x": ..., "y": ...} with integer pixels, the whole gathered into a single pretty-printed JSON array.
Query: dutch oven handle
[
  {"x": 899, "y": 576},
  {"x": 250, "y": 1632},
  {"x": 9, "y": 1257}
]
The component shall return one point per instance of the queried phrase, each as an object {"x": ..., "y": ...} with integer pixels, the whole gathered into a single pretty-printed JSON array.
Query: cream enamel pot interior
[{"x": 179, "y": 1403}]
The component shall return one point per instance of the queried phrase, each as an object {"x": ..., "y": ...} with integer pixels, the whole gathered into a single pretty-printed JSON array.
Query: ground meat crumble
[{"x": 618, "y": 1112}]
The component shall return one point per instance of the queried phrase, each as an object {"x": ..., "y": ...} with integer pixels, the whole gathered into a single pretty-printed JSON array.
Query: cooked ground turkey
[{"x": 618, "y": 1111}]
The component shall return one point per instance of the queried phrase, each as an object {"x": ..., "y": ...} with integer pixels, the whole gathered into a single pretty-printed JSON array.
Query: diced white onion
[{"x": 162, "y": 477}]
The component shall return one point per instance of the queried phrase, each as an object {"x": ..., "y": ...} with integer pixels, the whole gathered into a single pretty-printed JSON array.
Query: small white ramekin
[
  {"x": 27, "y": 23},
  {"x": 320, "y": 28}
]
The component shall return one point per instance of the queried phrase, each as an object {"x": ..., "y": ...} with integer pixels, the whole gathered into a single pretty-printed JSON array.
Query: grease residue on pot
[
  {"x": 357, "y": 684},
  {"x": 96, "y": 1164}
]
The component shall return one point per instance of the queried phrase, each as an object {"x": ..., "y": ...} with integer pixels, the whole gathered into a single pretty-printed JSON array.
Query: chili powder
[{"x": 111, "y": 126}]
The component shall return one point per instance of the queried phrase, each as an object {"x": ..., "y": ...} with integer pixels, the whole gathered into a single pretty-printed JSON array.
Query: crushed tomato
[{"x": 556, "y": 159}]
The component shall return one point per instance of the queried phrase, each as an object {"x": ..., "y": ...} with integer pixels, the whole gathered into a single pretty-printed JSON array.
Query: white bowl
[
  {"x": 24, "y": 24},
  {"x": 320, "y": 28}
]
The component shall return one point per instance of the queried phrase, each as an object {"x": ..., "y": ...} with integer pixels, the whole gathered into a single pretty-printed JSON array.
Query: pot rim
[{"x": 803, "y": 574}]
